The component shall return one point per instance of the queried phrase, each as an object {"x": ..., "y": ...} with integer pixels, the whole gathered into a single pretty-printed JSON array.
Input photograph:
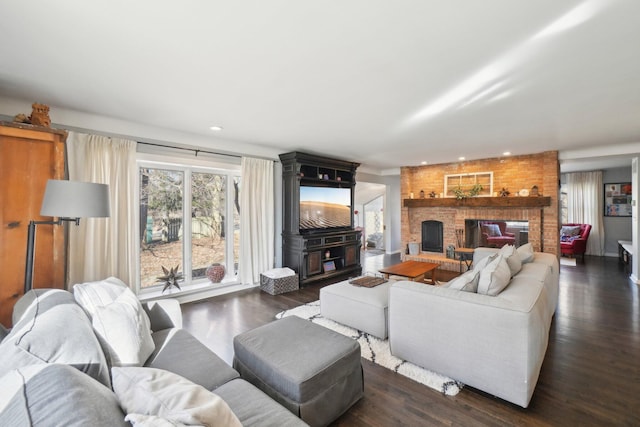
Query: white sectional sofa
[{"x": 493, "y": 343}]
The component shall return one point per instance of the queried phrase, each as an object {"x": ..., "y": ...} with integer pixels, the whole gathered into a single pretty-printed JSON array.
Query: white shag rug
[
  {"x": 569, "y": 262},
  {"x": 377, "y": 350}
]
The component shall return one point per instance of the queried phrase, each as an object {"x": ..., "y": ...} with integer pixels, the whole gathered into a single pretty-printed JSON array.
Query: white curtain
[
  {"x": 103, "y": 247},
  {"x": 257, "y": 216},
  {"x": 585, "y": 206}
]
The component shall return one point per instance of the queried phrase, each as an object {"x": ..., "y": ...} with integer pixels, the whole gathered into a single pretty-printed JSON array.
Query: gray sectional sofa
[
  {"x": 493, "y": 343},
  {"x": 54, "y": 371}
]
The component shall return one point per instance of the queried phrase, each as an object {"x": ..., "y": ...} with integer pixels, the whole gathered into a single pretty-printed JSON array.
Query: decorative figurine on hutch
[
  {"x": 40, "y": 115},
  {"x": 422, "y": 194}
]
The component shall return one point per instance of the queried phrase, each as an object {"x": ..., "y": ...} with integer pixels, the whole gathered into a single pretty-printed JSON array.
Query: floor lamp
[{"x": 68, "y": 201}]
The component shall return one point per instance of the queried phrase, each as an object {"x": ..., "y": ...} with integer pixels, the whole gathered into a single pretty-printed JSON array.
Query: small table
[
  {"x": 412, "y": 270},
  {"x": 466, "y": 255}
]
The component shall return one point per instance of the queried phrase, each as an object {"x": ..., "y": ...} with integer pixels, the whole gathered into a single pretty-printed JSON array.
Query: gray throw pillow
[
  {"x": 56, "y": 395},
  {"x": 54, "y": 329}
]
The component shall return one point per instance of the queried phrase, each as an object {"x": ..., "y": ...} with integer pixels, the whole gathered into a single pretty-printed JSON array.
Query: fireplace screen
[{"x": 432, "y": 236}]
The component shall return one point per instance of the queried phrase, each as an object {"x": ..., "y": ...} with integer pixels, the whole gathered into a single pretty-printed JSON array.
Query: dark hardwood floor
[{"x": 590, "y": 375}]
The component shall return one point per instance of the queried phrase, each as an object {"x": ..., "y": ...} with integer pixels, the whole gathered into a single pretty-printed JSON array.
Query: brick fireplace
[
  {"x": 513, "y": 173},
  {"x": 454, "y": 219}
]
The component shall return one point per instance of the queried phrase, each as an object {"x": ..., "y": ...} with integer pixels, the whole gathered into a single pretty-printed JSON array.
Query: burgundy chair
[
  {"x": 577, "y": 244},
  {"x": 495, "y": 234}
]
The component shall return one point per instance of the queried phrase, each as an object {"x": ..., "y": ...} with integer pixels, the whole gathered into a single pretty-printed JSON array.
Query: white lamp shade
[{"x": 74, "y": 199}]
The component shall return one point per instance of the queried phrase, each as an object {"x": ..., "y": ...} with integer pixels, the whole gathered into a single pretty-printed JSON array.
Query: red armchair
[
  {"x": 495, "y": 234},
  {"x": 573, "y": 240}
]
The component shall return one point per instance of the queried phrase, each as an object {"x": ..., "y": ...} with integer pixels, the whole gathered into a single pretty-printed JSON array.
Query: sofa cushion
[
  {"x": 180, "y": 352},
  {"x": 53, "y": 329},
  {"x": 150, "y": 391},
  {"x": 513, "y": 259},
  {"x": 467, "y": 282},
  {"x": 494, "y": 277},
  {"x": 255, "y": 408},
  {"x": 525, "y": 252},
  {"x": 56, "y": 395},
  {"x": 118, "y": 319}
]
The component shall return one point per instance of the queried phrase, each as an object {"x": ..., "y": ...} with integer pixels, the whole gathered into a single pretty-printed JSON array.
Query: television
[{"x": 323, "y": 208}]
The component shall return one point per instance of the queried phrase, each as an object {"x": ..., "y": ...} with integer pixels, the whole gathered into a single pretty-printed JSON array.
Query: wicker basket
[{"x": 279, "y": 286}]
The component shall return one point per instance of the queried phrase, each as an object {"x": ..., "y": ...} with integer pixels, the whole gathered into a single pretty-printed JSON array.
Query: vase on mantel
[{"x": 215, "y": 272}]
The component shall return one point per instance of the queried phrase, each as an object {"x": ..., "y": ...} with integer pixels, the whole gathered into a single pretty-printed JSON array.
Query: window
[
  {"x": 480, "y": 183},
  {"x": 189, "y": 218}
]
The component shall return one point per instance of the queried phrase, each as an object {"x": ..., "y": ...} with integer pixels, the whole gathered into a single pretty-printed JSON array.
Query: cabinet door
[
  {"x": 30, "y": 156},
  {"x": 314, "y": 262},
  {"x": 350, "y": 255}
]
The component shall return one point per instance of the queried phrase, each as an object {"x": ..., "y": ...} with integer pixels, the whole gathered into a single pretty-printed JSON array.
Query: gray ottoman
[
  {"x": 314, "y": 372},
  {"x": 362, "y": 308}
]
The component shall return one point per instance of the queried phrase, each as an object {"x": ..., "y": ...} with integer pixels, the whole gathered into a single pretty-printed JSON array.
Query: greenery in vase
[{"x": 461, "y": 194}]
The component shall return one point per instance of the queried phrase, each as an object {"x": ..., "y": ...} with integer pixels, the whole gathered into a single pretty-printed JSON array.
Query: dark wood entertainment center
[{"x": 317, "y": 254}]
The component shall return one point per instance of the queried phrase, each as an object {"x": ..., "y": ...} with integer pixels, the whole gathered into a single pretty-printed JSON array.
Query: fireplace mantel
[{"x": 480, "y": 202}]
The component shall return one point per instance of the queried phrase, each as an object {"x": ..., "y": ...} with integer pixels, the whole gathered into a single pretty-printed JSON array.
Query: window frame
[{"x": 187, "y": 166}]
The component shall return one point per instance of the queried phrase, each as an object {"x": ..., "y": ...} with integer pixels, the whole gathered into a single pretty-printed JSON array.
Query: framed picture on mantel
[{"x": 617, "y": 199}]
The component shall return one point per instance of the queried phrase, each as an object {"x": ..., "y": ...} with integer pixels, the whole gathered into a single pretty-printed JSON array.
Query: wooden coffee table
[{"x": 412, "y": 270}]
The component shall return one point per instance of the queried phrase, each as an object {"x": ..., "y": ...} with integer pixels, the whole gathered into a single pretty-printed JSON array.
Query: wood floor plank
[{"x": 590, "y": 375}]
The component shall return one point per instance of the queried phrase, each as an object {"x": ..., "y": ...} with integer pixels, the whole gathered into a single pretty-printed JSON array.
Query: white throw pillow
[
  {"x": 494, "y": 277},
  {"x": 467, "y": 282},
  {"x": 149, "y": 391},
  {"x": 118, "y": 319},
  {"x": 493, "y": 230},
  {"x": 570, "y": 230},
  {"x": 485, "y": 261},
  {"x": 525, "y": 252},
  {"x": 513, "y": 259}
]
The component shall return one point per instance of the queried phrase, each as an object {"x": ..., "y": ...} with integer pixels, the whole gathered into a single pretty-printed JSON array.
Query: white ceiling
[{"x": 384, "y": 83}]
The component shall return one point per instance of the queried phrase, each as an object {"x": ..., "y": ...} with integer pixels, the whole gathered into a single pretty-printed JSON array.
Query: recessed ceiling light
[
  {"x": 216, "y": 128},
  {"x": 424, "y": 162},
  {"x": 506, "y": 153},
  {"x": 461, "y": 158}
]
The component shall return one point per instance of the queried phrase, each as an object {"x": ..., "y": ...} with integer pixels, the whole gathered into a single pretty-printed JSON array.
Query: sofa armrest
[{"x": 164, "y": 314}]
